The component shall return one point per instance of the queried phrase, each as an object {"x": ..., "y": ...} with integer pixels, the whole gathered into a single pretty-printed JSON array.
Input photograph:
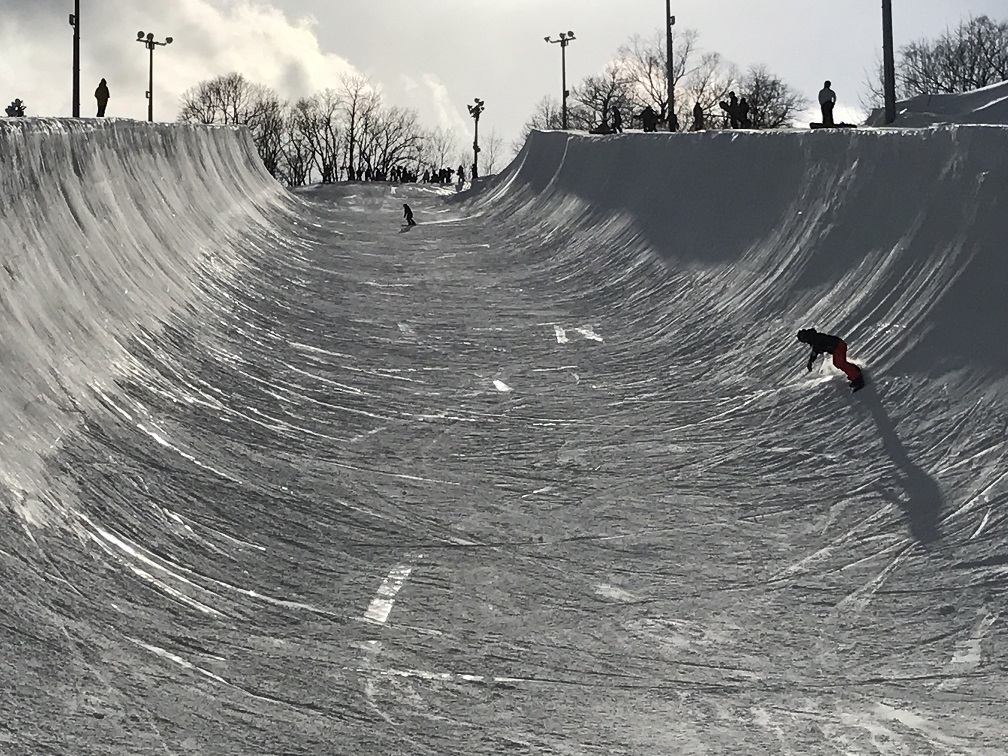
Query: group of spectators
[
  {"x": 400, "y": 175},
  {"x": 736, "y": 114}
]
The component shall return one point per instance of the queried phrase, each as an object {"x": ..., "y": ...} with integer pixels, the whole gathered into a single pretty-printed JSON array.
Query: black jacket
[{"x": 823, "y": 342}]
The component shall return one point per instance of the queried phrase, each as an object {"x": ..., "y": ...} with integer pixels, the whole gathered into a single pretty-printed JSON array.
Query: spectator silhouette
[
  {"x": 827, "y": 99},
  {"x": 733, "y": 110},
  {"x": 743, "y": 114},
  {"x": 617, "y": 121},
  {"x": 461, "y": 174},
  {"x": 649, "y": 119},
  {"x": 102, "y": 96},
  {"x": 673, "y": 122},
  {"x": 698, "y": 118}
]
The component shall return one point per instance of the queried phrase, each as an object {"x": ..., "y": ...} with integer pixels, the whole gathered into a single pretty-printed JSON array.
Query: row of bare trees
[
  {"x": 342, "y": 132},
  {"x": 970, "y": 56},
  {"x": 638, "y": 78}
]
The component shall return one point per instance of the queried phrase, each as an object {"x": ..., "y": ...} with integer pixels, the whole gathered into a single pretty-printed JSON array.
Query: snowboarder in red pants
[{"x": 823, "y": 343}]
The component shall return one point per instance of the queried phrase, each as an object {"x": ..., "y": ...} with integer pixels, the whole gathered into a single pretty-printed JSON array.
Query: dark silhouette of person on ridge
[
  {"x": 823, "y": 343},
  {"x": 731, "y": 108},
  {"x": 102, "y": 96},
  {"x": 698, "y": 117},
  {"x": 617, "y": 121},
  {"x": 827, "y": 99},
  {"x": 743, "y": 114},
  {"x": 649, "y": 119},
  {"x": 408, "y": 215}
]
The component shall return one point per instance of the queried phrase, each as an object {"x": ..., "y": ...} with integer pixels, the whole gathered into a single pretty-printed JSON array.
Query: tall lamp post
[
  {"x": 150, "y": 43},
  {"x": 888, "y": 66},
  {"x": 75, "y": 23},
  {"x": 474, "y": 111},
  {"x": 565, "y": 39},
  {"x": 670, "y": 22}
]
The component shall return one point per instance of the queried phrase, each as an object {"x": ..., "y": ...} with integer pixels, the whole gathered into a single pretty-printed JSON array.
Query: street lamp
[
  {"x": 671, "y": 81},
  {"x": 150, "y": 43},
  {"x": 565, "y": 39},
  {"x": 474, "y": 111},
  {"x": 75, "y": 23}
]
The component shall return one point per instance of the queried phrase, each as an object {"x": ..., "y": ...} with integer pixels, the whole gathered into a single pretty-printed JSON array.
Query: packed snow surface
[{"x": 544, "y": 474}]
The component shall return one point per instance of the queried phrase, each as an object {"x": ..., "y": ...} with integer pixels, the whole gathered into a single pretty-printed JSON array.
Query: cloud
[
  {"x": 210, "y": 37},
  {"x": 432, "y": 100}
]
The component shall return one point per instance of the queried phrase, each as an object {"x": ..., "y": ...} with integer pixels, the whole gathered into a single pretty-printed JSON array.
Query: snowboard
[{"x": 817, "y": 125}]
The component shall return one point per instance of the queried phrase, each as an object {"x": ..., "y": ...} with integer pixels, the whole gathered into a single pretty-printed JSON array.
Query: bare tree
[
  {"x": 438, "y": 145},
  {"x": 298, "y": 148},
  {"x": 645, "y": 68},
  {"x": 971, "y": 56},
  {"x": 490, "y": 151},
  {"x": 546, "y": 117},
  {"x": 772, "y": 103},
  {"x": 233, "y": 100},
  {"x": 316, "y": 119},
  {"x": 359, "y": 101},
  {"x": 708, "y": 83},
  {"x": 390, "y": 136},
  {"x": 596, "y": 96}
]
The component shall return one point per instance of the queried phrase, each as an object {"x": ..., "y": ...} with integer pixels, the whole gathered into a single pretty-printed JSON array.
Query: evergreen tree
[{"x": 16, "y": 109}]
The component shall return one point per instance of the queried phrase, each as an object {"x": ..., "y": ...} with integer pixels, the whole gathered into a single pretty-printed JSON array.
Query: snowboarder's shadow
[
  {"x": 404, "y": 229},
  {"x": 921, "y": 501}
]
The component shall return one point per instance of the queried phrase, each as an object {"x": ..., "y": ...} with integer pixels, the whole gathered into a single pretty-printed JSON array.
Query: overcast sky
[{"x": 434, "y": 55}]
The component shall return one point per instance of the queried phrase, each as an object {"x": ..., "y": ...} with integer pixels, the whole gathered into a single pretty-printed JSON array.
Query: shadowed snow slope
[
  {"x": 894, "y": 240},
  {"x": 543, "y": 474}
]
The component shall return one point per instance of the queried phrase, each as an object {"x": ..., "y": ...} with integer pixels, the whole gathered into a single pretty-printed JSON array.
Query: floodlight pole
[
  {"x": 150, "y": 43},
  {"x": 670, "y": 19},
  {"x": 888, "y": 65},
  {"x": 75, "y": 23},
  {"x": 474, "y": 111},
  {"x": 565, "y": 39}
]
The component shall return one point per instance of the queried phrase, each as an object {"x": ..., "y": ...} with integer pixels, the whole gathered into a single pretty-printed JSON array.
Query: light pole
[
  {"x": 565, "y": 39},
  {"x": 474, "y": 111},
  {"x": 75, "y": 23},
  {"x": 150, "y": 43},
  {"x": 670, "y": 19},
  {"x": 888, "y": 66}
]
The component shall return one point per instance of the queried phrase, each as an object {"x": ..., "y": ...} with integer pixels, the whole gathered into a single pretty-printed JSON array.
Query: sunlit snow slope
[{"x": 544, "y": 474}]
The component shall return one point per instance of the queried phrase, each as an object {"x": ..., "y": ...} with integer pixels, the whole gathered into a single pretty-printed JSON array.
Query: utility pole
[
  {"x": 888, "y": 66},
  {"x": 670, "y": 22},
  {"x": 75, "y": 23}
]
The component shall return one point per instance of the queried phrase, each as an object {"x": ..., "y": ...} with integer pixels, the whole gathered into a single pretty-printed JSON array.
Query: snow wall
[
  {"x": 893, "y": 239},
  {"x": 108, "y": 230}
]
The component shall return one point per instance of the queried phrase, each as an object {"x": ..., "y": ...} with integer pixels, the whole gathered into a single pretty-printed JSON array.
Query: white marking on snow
[
  {"x": 561, "y": 335},
  {"x": 501, "y": 386},
  {"x": 967, "y": 652},
  {"x": 588, "y": 333},
  {"x": 381, "y": 605}
]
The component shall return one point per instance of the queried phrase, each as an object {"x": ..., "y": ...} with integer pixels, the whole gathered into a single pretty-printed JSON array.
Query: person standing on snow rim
[
  {"x": 408, "y": 215},
  {"x": 827, "y": 99},
  {"x": 102, "y": 96},
  {"x": 823, "y": 343}
]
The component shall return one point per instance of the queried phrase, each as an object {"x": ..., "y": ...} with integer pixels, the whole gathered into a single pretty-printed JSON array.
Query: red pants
[{"x": 851, "y": 370}]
